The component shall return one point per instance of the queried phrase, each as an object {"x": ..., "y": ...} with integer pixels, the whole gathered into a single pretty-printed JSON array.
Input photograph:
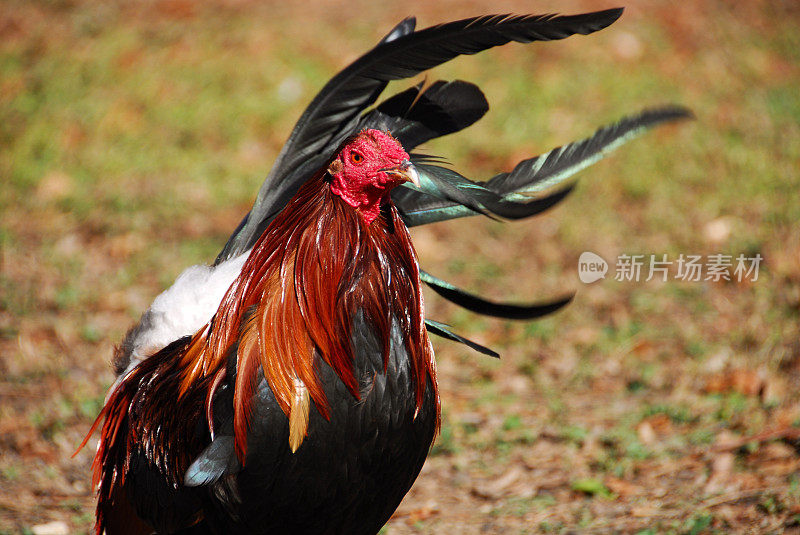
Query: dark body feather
[
  {"x": 351, "y": 472},
  {"x": 189, "y": 437},
  {"x": 348, "y": 476}
]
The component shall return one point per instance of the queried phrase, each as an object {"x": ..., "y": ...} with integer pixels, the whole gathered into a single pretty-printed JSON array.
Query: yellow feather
[{"x": 298, "y": 416}]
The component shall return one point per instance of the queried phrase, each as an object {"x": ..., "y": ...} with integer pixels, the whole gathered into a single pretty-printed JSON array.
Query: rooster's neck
[{"x": 318, "y": 264}]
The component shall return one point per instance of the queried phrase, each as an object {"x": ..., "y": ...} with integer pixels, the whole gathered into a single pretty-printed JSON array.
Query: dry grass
[{"x": 133, "y": 139}]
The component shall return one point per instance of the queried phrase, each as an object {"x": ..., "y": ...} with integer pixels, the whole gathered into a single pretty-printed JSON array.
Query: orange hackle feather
[
  {"x": 314, "y": 268},
  {"x": 317, "y": 265}
]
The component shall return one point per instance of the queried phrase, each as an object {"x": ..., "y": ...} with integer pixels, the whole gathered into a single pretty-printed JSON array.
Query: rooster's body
[{"x": 291, "y": 386}]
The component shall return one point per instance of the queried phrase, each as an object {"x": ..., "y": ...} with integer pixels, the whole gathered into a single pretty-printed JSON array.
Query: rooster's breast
[{"x": 351, "y": 471}]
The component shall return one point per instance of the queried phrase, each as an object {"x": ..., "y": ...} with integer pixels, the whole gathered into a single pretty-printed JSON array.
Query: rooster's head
[{"x": 367, "y": 168}]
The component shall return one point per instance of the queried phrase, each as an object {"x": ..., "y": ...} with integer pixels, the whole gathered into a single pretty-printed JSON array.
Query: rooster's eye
[{"x": 356, "y": 157}]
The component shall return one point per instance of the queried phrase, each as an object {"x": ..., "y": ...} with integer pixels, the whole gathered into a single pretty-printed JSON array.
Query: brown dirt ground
[{"x": 642, "y": 407}]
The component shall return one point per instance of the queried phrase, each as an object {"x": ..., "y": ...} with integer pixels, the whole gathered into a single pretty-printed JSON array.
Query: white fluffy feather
[{"x": 183, "y": 308}]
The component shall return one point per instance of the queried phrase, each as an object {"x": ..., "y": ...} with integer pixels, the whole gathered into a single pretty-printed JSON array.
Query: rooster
[{"x": 291, "y": 386}]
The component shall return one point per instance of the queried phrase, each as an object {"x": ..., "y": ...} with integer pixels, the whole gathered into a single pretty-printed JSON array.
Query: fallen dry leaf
[
  {"x": 740, "y": 380},
  {"x": 503, "y": 485},
  {"x": 422, "y": 514},
  {"x": 721, "y": 468},
  {"x": 57, "y": 527},
  {"x": 621, "y": 487},
  {"x": 718, "y": 230},
  {"x": 646, "y": 433}
]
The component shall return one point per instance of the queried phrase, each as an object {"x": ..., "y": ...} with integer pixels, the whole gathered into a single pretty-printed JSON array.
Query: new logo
[{"x": 591, "y": 267}]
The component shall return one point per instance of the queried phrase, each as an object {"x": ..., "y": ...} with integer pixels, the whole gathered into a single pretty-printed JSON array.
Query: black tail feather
[
  {"x": 483, "y": 306},
  {"x": 440, "y": 329},
  {"x": 333, "y": 114}
]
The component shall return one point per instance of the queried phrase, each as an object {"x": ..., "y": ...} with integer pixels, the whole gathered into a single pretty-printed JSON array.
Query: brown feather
[
  {"x": 247, "y": 367},
  {"x": 317, "y": 265}
]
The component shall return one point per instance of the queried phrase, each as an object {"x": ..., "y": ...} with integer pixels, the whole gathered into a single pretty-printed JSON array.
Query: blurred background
[{"x": 133, "y": 137}]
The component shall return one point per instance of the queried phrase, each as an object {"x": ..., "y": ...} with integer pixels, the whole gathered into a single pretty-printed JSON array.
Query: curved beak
[{"x": 405, "y": 172}]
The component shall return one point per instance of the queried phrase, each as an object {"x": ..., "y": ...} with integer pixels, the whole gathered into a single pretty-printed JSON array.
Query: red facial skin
[{"x": 356, "y": 171}]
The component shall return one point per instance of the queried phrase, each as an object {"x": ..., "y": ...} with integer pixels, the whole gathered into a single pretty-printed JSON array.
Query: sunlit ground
[{"x": 133, "y": 139}]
